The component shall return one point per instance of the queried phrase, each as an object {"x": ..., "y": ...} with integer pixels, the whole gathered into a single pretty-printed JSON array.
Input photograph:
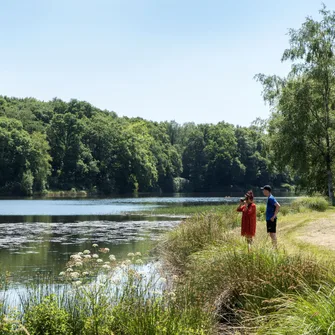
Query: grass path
[{"x": 310, "y": 232}]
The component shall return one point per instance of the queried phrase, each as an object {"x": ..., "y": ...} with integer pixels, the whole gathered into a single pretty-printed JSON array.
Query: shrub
[
  {"x": 314, "y": 203},
  {"x": 47, "y": 318}
]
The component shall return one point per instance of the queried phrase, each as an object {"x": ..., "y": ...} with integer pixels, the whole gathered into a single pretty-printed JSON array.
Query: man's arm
[{"x": 276, "y": 211}]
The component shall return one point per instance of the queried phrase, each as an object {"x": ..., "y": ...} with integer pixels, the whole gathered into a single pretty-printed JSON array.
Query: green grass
[
  {"x": 310, "y": 311},
  {"x": 188, "y": 210},
  {"x": 195, "y": 234},
  {"x": 245, "y": 280}
]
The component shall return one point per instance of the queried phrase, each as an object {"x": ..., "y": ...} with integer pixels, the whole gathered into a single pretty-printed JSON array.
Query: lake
[{"x": 40, "y": 235}]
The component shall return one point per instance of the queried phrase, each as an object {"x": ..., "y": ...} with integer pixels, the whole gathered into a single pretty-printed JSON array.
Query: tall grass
[
  {"x": 311, "y": 311},
  {"x": 243, "y": 280},
  {"x": 117, "y": 300},
  {"x": 195, "y": 234}
]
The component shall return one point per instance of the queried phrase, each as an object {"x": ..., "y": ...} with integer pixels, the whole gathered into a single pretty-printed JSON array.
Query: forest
[{"x": 58, "y": 145}]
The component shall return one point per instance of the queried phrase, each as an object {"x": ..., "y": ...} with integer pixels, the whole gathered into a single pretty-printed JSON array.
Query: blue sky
[{"x": 185, "y": 60}]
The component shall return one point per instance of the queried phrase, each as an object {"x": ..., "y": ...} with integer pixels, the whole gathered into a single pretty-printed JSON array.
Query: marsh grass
[
  {"x": 249, "y": 279},
  {"x": 310, "y": 311},
  {"x": 114, "y": 300}
]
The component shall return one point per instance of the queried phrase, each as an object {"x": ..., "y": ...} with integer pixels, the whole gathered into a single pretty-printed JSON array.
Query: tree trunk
[{"x": 330, "y": 181}]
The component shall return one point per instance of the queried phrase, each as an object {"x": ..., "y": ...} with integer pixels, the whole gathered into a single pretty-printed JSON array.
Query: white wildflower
[
  {"x": 94, "y": 245},
  {"x": 127, "y": 262},
  {"x": 85, "y": 273},
  {"x": 106, "y": 266},
  {"x": 138, "y": 254},
  {"x": 99, "y": 260},
  {"x": 69, "y": 270},
  {"x": 75, "y": 257},
  {"x": 107, "y": 249},
  {"x": 112, "y": 258},
  {"x": 74, "y": 275},
  {"x": 86, "y": 252},
  {"x": 131, "y": 254},
  {"x": 78, "y": 264},
  {"x": 87, "y": 256},
  {"x": 77, "y": 283},
  {"x": 62, "y": 273},
  {"x": 95, "y": 256},
  {"x": 139, "y": 262}
]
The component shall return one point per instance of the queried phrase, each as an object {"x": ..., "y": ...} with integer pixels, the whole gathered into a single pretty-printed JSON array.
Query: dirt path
[{"x": 320, "y": 233}]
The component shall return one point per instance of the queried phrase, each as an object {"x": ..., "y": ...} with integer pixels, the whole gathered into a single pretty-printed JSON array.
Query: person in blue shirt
[{"x": 272, "y": 209}]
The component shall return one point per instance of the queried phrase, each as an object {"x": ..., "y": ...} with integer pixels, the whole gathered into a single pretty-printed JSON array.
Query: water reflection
[
  {"x": 39, "y": 235},
  {"x": 27, "y": 244}
]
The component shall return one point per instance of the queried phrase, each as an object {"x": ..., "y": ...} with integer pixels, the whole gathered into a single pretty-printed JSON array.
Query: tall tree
[{"x": 303, "y": 123}]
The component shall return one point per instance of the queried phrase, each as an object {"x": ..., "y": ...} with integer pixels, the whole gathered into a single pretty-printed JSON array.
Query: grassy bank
[{"x": 247, "y": 290}]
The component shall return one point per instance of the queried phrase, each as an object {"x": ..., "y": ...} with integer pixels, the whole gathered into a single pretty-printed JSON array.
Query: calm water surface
[{"x": 40, "y": 235}]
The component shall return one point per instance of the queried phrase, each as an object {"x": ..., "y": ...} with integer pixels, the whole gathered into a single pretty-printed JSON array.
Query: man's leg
[
  {"x": 274, "y": 239},
  {"x": 272, "y": 229}
]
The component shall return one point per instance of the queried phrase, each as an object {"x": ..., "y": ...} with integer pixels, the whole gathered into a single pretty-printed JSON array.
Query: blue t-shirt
[{"x": 270, "y": 207}]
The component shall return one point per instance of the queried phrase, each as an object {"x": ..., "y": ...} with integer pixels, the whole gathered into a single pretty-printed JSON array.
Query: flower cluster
[{"x": 84, "y": 266}]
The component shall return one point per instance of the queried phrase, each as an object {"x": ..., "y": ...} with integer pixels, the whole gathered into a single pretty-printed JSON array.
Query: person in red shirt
[{"x": 248, "y": 225}]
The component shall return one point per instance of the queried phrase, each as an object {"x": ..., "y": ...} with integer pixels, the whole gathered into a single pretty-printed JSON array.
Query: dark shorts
[{"x": 271, "y": 227}]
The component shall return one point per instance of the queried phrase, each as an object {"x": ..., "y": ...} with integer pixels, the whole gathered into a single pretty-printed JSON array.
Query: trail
[{"x": 320, "y": 232}]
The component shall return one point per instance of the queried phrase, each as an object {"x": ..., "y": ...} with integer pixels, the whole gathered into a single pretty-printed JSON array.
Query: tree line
[{"x": 60, "y": 145}]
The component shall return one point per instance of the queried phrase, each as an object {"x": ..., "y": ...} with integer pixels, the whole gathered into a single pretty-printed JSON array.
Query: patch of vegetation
[{"x": 319, "y": 204}]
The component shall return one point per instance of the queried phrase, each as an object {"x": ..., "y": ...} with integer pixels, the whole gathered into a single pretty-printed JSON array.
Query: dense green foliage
[
  {"x": 302, "y": 124},
  {"x": 62, "y": 146}
]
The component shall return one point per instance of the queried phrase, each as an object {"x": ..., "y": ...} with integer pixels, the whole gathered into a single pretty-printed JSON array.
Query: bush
[
  {"x": 47, "y": 318},
  {"x": 314, "y": 203}
]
